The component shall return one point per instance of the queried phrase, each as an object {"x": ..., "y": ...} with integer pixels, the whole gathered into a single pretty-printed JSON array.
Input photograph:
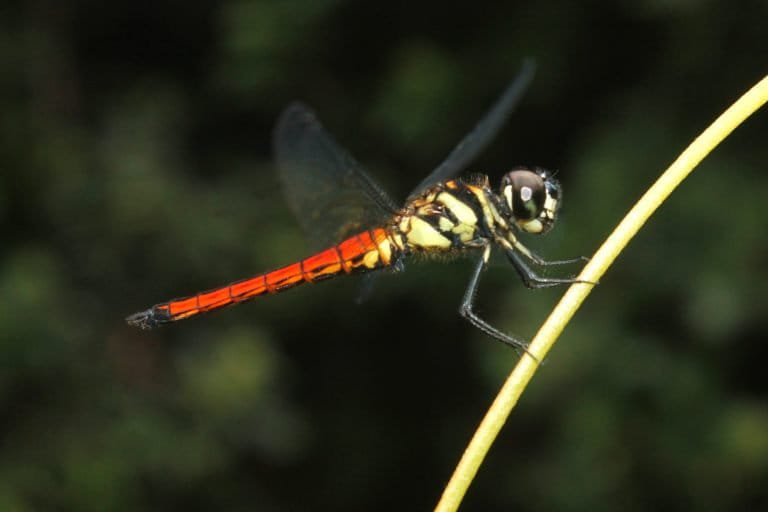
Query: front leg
[
  {"x": 541, "y": 261},
  {"x": 510, "y": 243},
  {"x": 533, "y": 280}
]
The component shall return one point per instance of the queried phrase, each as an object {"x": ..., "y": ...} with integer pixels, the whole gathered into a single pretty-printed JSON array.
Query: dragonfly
[{"x": 365, "y": 231}]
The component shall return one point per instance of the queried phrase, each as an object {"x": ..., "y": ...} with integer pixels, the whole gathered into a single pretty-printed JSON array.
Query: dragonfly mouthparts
[{"x": 442, "y": 215}]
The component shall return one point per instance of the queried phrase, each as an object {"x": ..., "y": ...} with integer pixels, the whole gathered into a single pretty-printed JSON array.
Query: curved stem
[{"x": 517, "y": 381}]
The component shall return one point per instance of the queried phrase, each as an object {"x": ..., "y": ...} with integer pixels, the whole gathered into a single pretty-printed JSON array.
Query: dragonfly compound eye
[
  {"x": 363, "y": 230},
  {"x": 533, "y": 197}
]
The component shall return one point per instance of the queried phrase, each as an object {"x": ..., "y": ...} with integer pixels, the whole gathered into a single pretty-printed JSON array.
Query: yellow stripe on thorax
[
  {"x": 463, "y": 213},
  {"x": 489, "y": 211},
  {"x": 423, "y": 234}
]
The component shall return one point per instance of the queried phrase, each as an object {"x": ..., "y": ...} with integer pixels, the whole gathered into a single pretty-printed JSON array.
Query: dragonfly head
[{"x": 533, "y": 198}]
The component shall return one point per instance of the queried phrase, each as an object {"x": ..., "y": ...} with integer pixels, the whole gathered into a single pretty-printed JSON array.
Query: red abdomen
[{"x": 363, "y": 252}]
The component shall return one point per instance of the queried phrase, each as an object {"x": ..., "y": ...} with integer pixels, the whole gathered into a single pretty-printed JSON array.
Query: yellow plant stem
[{"x": 517, "y": 381}]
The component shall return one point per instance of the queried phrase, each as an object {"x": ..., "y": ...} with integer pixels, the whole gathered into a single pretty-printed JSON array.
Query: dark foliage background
[{"x": 135, "y": 166}]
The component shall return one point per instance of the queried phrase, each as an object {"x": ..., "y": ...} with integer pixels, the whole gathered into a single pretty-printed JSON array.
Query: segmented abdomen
[{"x": 363, "y": 252}]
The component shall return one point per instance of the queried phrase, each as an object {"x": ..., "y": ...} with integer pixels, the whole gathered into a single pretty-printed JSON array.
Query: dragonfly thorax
[
  {"x": 445, "y": 215},
  {"x": 532, "y": 197}
]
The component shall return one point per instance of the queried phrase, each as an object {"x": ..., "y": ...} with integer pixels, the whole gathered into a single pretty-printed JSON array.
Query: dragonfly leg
[
  {"x": 531, "y": 279},
  {"x": 541, "y": 261},
  {"x": 467, "y": 309},
  {"x": 511, "y": 243}
]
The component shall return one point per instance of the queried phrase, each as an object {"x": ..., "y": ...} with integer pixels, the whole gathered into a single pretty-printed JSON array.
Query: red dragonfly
[{"x": 442, "y": 215}]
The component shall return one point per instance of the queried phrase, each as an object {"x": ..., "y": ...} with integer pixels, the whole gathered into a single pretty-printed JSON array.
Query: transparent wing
[
  {"x": 476, "y": 140},
  {"x": 327, "y": 190}
]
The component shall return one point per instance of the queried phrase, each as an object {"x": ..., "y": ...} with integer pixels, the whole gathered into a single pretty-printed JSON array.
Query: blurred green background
[{"x": 135, "y": 167}]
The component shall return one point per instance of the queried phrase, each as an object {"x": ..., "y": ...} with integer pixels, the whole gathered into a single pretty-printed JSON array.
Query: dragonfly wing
[
  {"x": 326, "y": 188},
  {"x": 476, "y": 140}
]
